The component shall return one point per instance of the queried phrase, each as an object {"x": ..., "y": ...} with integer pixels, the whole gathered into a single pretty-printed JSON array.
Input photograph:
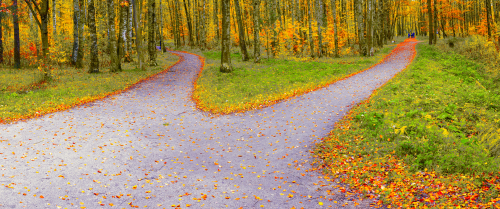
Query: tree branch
[{"x": 34, "y": 14}]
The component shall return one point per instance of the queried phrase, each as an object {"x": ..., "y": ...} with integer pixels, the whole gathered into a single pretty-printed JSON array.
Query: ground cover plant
[
  {"x": 255, "y": 85},
  {"x": 24, "y": 93},
  {"x": 428, "y": 138}
]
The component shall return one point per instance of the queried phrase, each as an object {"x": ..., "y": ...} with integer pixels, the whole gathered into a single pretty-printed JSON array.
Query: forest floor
[{"x": 151, "y": 146}]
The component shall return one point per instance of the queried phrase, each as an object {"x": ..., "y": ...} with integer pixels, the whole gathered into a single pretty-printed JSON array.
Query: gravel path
[{"x": 151, "y": 147}]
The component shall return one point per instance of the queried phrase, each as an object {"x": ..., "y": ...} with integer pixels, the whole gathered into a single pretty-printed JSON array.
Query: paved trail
[{"x": 119, "y": 152}]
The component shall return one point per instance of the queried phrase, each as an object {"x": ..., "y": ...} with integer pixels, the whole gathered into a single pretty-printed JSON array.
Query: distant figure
[
  {"x": 413, "y": 35},
  {"x": 408, "y": 35}
]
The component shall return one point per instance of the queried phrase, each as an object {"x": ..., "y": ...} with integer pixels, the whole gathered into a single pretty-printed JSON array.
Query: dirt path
[{"x": 151, "y": 146}]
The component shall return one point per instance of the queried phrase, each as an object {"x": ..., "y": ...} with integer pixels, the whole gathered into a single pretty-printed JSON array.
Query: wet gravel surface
[{"x": 150, "y": 146}]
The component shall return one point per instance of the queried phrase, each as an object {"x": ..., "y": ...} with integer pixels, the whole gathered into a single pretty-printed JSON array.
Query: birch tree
[{"x": 76, "y": 14}]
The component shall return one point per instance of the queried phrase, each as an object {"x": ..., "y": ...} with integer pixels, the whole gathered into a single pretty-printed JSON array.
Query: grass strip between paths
[
  {"x": 423, "y": 140},
  {"x": 271, "y": 81},
  {"x": 71, "y": 88}
]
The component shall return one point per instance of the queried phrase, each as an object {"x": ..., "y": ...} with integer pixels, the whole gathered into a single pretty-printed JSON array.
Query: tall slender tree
[
  {"x": 54, "y": 18},
  {"x": 335, "y": 33},
  {"x": 41, "y": 8},
  {"x": 81, "y": 23},
  {"x": 138, "y": 32},
  {"x": 488, "y": 16},
  {"x": 190, "y": 25},
  {"x": 115, "y": 61},
  {"x": 309, "y": 17},
  {"x": 431, "y": 25},
  {"x": 256, "y": 30},
  {"x": 151, "y": 33},
  {"x": 76, "y": 14},
  {"x": 319, "y": 20},
  {"x": 17, "y": 41},
  {"x": 243, "y": 45},
  {"x": 226, "y": 37},
  {"x": 122, "y": 38},
  {"x": 94, "y": 59},
  {"x": 358, "y": 5},
  {"x": 1, "y": 35}
]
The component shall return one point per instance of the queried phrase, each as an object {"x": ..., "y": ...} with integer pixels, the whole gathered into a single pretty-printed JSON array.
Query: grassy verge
[
  {"x": 428, "y": 138},
  {"x": 22, "y": 96},
  {"x": 253, "y": 86}
]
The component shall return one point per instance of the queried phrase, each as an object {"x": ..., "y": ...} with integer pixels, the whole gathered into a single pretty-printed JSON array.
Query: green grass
[
  {"x": 70, "y": 86},
  {"x": 251, "y": 85},
  {"x": 441, "y": 114},
  {"x": 433, "y": 114}
]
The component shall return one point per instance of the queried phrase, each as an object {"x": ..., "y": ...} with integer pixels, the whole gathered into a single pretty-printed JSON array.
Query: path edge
[
  {"x": 64, "y": 107},
  {"x": 296, "y": 93}
]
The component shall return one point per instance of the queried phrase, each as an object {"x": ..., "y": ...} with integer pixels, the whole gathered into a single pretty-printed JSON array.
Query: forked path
[{"x": 151, "y": 147}]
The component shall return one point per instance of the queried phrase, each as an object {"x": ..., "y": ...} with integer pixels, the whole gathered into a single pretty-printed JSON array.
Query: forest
[
  {"x": 33, "y": 29},
  {"x": 363, "y": 103}
]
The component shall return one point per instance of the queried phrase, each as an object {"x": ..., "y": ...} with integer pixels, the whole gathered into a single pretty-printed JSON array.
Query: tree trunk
[
  {"x": 1, "y": 36},
  {"x": 335, "y": 34},
  {"x": 226, "y": 38},
  {"x": 76, "y": 9},
  {"x": 431, "y": 26},
  {"x": 241, "y": 31},
  {"x": 256, "y": 30},
  {"x": 129, "y": 32},
  {"x": 44, "y": 17},
  {"x": 54, "y": 18},
  {"x": 122, "y": 38},
  {"x": 361, "y": 30},
  {"x": 17, "y": 42},
  {"x": 151, "y": 33},
  {"x": 311, "y": 42},
  {"x": 138, "y": 33},
  {"x": 115, "y": 61},
  {"x": 162, "y": 44},
  {"x": 319, "y": 20},
  {"x": 216, "y": 20},
  {"x": 203, "y": 27},
  {"x": 435, "y": 22},
  {"x": 488, "y": 16},
  {"x": 369, "y": 28},
  {"x": 190, "y": 26},
  {"x": 272, "y": 17},
  {"x": 81, "y": 21},
  {"x": 94, "y": 59}
]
